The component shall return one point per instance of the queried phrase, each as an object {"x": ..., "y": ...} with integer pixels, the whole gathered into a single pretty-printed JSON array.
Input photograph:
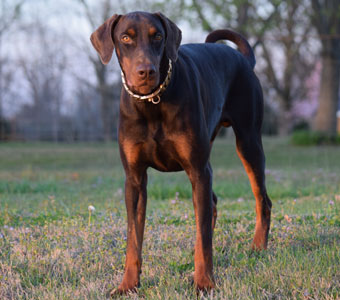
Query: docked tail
[{"x": 236, "y": 38}]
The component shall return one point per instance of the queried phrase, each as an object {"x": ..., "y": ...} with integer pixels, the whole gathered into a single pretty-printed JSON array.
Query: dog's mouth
[{"x": 144, "y": 87}]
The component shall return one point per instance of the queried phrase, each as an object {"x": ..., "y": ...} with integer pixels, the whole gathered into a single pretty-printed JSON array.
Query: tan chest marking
[
  {"x": 131, "y": 150},
  {"x": 183, "y": 146}
]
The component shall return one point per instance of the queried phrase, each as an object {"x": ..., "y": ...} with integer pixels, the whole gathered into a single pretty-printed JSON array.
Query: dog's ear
[
  {"x": 173, "y": 36},
  {"x": 102, "y": 39}
]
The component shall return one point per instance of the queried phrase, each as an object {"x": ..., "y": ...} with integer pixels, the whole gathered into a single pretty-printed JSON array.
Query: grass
[{"x": 49, "y": 250}]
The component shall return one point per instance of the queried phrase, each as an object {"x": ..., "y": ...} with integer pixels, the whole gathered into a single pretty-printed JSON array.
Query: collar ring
[{"x": 158, "y": 97}]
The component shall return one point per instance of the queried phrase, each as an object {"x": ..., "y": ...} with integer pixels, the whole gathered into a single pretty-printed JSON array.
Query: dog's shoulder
[{"x": 207, "y": 56}]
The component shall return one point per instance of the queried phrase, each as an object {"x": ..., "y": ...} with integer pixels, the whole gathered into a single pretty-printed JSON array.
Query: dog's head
[{"x": 143, "y": 41}]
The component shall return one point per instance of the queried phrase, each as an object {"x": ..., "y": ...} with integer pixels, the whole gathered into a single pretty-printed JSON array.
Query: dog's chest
[
  {"x": 160, "y": 150},
  {"x": 156, "y": 136},
  {"x": 152, "y": 144}
]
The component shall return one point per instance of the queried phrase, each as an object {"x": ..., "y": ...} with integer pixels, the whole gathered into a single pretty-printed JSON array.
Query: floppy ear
[
  {"x": 173, "y": 37},
  {"x": 102, "y": 39}
]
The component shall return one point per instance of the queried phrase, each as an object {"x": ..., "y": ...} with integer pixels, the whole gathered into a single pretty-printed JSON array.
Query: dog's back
[{"x": 217, "y": 70}]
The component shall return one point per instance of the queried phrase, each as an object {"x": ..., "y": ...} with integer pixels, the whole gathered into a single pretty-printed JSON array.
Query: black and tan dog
[{"x": 174, "y": 101}]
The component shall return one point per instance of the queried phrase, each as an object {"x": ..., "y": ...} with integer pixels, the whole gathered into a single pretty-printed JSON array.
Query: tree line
[{"x": 53, "y": 85}]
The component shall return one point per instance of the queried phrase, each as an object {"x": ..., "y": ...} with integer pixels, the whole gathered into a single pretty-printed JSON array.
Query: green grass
[{"x": 48, "y": 250}]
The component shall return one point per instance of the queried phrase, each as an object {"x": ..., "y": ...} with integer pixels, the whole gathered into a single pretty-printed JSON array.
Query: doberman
[{"x": 173, "y": 103}]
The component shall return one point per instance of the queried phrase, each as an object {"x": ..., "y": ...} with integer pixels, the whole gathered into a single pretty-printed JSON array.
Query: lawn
[{"x": 51, "y": 248}]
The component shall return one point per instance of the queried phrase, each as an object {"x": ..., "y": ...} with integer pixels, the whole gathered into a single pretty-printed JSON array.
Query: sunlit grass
[{"x": 51, "y": 248}]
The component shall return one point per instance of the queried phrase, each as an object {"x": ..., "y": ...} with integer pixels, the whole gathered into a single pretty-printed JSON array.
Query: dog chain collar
[{"x": 155, "y": 97}]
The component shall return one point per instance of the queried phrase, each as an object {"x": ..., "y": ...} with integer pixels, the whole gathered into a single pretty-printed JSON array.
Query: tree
[
  {"x": 10, "y": 12},
  {"x": 104, "y": 85},
  {"x": 288, "y": 43},
  {"x": 44, "y": 79},
  {"x": 326, "y": 19}
]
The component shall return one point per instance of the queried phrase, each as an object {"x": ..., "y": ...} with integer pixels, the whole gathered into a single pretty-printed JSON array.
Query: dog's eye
[
  {"x": 125, "y": 38},
  {"x": 158, "y": 37}
]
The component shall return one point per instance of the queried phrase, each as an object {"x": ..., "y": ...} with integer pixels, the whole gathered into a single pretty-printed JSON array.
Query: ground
[{"x": 53, "y": 247}]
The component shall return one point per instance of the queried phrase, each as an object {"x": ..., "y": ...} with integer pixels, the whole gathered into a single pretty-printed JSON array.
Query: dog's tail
[{"x": 236, "y": 38}]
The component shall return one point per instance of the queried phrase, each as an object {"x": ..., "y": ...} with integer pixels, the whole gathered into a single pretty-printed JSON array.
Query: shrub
[
  {"x": 312, "y": 138},
  {"x": 305, "y": 138}
]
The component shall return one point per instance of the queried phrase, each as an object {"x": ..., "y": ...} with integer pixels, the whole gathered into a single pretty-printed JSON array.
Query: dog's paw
[
  {"x": 204, "y": 282},
  {"x": 259, "y": 245}
]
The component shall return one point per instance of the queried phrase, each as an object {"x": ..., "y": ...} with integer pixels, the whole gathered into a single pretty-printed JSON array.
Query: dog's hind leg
[
  {"x": 214, "y": 205},
  {"x": 214, "y": 211},
  {"x": 250, "y": 151}
]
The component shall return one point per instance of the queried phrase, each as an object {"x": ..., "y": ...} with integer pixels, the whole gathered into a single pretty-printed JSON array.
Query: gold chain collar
[{"x": 155, "y": 97}]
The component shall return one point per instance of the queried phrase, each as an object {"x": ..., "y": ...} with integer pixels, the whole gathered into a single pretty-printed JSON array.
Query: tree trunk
[
  {"x": 325, "y": 120},
  {"x": 105, "y": 105},
  {"x": 106, "y": 112},
  {"x": 285, "y": 122}
]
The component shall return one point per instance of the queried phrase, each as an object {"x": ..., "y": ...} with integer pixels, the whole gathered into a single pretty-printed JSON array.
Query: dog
[{"x": 173, "y": 102}]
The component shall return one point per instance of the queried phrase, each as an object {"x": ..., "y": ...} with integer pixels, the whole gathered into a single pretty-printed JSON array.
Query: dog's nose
[{"x": 146, "y": 70}]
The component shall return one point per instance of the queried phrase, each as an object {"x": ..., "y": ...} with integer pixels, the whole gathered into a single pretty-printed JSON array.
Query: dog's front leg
[
  {"x": 202, "y": 199},
  {"x": 135, "y": 200}
]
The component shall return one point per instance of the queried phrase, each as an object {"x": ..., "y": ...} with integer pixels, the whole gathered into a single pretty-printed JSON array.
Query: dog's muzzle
[{"x": 154, "y": 97}]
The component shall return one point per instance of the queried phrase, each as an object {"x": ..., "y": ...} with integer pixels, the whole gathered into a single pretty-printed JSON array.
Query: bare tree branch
[
  {"x": 204, "y": 21},
  {"x": 12, "y": 14}
]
